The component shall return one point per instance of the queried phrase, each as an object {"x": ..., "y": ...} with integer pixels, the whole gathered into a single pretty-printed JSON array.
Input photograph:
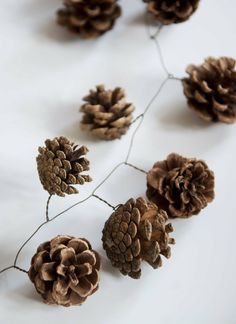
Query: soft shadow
[
  {"x": 74, "y": 132},
  {"x": 139, "y": 19},
  {"x": 27, "y": 293},
  {"x": 35, "y": 7},
  {"x": 51, "y": 30},
  {"x": 183, "y": 117},
  {"x": 107, "y": 267}
]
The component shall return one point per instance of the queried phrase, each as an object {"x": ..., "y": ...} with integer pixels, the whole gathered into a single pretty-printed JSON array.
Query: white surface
[{"x": 44, "y": 74}]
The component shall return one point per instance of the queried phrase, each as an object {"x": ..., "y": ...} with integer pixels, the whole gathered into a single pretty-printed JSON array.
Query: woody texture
[
  {"x": 172, "y": 11},
  {"x": 60, "y": 166},
  {"x": 211, "y": 89},
  {"x": 106, "y": 114},
  {"x": 136, "y": 232},
  {"x": 180, "y": 186},
  {"x": 89, "y": 18},
  {"x": 65, "y": 270}
]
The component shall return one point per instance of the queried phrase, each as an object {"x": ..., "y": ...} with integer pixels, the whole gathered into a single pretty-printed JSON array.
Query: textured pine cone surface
[
  {"x": 211, "y": 89},
  {"x": 89, "y": 18},
  {"x": 180, "y": 186},
  {"x": 65, "y": 270},
  {"x": 60, "y": 164},
  {"x": 106, "y": 113},
  {"x": 172, "y": 11},
  {"x": 137, "y": 231}
]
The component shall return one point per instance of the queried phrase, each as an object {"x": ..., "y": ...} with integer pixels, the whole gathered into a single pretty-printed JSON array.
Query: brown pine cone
[
  {"x": 137, "y": 231},
  {"x": 180, "y": 186},
  {"x": 211, "y": 89},
  {"x": 60, "y": 164},
  {"x": 65, "y": 270},
  {"x": 106, "y": 113},
  {"x": 89, "y": 18},
  {"x": 172, "y": 11}
]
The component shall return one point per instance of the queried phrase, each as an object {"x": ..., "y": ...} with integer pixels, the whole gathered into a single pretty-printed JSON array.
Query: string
[{"x": 139, "y": 120}]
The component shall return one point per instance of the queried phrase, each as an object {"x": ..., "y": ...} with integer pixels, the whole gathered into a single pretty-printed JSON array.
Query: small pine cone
[
  {"x": 60, "y": 164},
  {"x": 172, "y": 11},
  {"x": 89, "y": 18},
  {"x": 180, "y": 186},
  {"x": 211, "y": 91},
  {"x": 65, "y": 270},
  {"x": 137, "y": 231},
  {"x": 106, "y": 113}
]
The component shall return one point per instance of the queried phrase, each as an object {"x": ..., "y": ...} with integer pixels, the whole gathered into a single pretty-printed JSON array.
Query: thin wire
[{"x": 139, "y": 118}]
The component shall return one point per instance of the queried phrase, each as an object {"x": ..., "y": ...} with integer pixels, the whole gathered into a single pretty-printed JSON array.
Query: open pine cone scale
[
  {"x": 211, "y": 89},
  {"x": 180, "y": 186},
  {"x": 106, "y": 113},
  {"x": 65, "y": 270}
]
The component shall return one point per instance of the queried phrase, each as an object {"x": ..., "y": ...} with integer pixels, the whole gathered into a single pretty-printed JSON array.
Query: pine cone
[
  {"x": 60, "y": 164},
  {"x": 106, "y": 114},
  {"x": 65, "y": 270},
  {"x": 180, "y": 186},
  {"x": 89, "y": 18},
  {"x": 172, "y": 11},
  {"x": 136, "y": 231},
  {"x": 211, "y": 91}
]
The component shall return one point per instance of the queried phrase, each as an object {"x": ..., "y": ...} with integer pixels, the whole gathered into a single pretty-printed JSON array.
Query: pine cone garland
[
  {"x": 211, "y": 89},
  {"x": 180, "y": 186},
  {"x": 106, "y": 113},
  {"x": 65, "y": 270},
  {"x": 60, "y": 164},
  {"x": 172, "y": 11},
  {"x": 137, "y": 231},
  {"x": 89, "y": 18}
]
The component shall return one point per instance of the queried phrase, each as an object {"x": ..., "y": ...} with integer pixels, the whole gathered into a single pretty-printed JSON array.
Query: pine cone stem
[
  {"x": 47, "y": 208},
  {"x": 104, "y": 201},
  {"x": 135, "y": 167}
]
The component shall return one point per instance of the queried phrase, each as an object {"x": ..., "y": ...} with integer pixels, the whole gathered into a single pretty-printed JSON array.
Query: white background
[{"x": 44, "y": 73}]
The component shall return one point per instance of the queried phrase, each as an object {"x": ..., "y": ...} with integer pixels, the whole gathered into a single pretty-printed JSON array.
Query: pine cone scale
[
  {"x": 60, "y": 164},
  {"x": 133, "y": 233},
  {"x": 89, "y": 18},
  {"x": 169, "y": 12}
]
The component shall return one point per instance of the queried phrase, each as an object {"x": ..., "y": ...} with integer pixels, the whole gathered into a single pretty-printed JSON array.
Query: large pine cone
[
  {"x": 65, "y": 270},
  {"x": 180, "y": 186},
  {"x": 89, "y": 18},
  {"x": 106, "y": 113},
  {"x": 172, "y": 11},
  {"x": 60, "y": 164},
  {"x": 137, "y": 231},
  {"x": 211, "y": 89}
]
